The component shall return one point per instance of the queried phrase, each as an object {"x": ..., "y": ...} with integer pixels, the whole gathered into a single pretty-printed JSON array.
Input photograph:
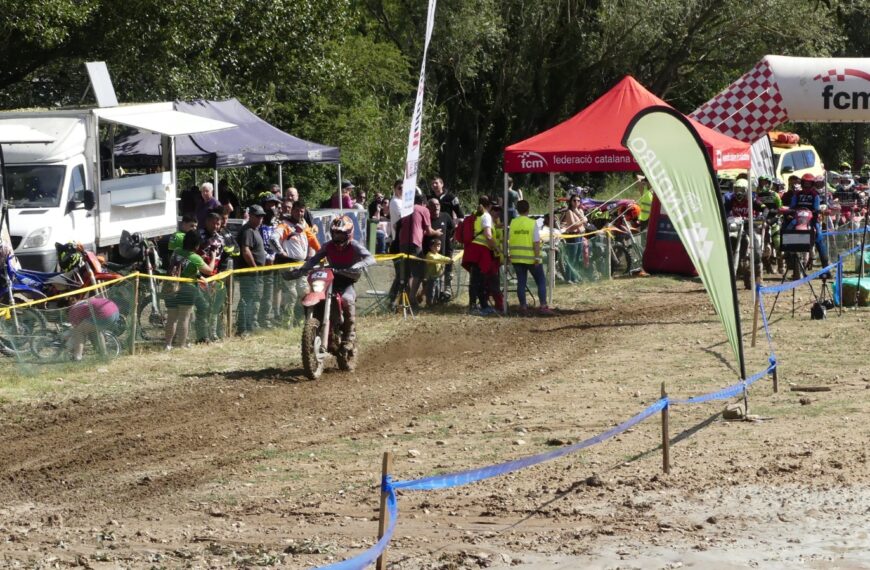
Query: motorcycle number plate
[{"x": 319, "y": 275}]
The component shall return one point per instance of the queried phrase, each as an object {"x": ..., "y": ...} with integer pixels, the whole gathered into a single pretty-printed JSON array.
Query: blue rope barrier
[
  {"x": 729, "y": 392},
  {"x": 472, "y": 475},
  {"x": 843, "y": 232},
  {"x": 372, "y": 554},
  {"x": 795, "y": 284}
]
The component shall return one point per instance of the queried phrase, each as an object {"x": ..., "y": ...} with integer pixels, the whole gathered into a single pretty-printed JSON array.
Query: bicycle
[
  {"x": 18, "y": 331},
  {"x": 52, "y": 347}
]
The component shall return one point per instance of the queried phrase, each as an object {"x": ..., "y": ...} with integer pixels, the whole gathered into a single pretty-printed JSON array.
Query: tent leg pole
[
  {"x": 340, "y": 209},
  {"x": 504, "y": 244},
  {"x": 216, "y": 184},
  {"x": 551, "y": 262},
  {"x": 281, "y": 178},
  {"x": 752, "y": 275}
]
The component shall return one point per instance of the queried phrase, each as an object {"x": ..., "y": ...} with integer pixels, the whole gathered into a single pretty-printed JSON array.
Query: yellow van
[{"x": 790, "y": 158}]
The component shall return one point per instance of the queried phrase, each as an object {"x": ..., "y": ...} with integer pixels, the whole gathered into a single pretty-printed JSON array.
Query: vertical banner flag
[
  {"x": 409, "y": 185},
  {"x": 676, "y": 164}
]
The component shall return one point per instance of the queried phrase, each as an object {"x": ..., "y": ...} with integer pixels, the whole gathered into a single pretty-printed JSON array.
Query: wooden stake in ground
[
  {"x": 384, "y": 517},
  {"x": 775, "y": 380},
  {"x": 666, "y": 439},
  {"x": 229, "y": 284}
]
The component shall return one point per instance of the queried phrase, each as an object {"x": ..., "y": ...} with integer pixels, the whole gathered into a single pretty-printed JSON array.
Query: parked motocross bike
[
  {"x": 740, "y": 233},
  {"x": 145, "y": 259},
  {"x": 321, "y": 333}
]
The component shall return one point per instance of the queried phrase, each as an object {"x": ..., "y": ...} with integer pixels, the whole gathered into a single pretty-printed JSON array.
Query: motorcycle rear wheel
[{"x": 310, "y": 344}]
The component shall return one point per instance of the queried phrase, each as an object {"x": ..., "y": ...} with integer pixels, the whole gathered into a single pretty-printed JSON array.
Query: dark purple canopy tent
[{"x": 254, "y": 142}]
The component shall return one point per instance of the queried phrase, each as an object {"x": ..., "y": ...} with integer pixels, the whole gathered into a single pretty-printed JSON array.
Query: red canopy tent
[{"x": 591, "y": 141}]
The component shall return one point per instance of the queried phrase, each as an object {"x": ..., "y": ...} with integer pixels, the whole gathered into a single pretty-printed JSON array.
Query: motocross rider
[
  {"x": 768, "y": 196},
  {"x": 738, "y": 206},
  {"x": 347, "y": 258},
  {"x": 807, "y": 197}
]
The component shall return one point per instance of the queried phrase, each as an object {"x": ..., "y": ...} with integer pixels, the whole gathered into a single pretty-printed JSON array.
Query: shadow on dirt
[
  {"x": 682, "y": 436},
  {"x": 289, "y": 375},
  {"x": 585, "y": 326}
]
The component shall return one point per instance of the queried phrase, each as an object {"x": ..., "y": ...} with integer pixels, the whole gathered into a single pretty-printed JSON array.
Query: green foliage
[{"x": 344, "y": 72}]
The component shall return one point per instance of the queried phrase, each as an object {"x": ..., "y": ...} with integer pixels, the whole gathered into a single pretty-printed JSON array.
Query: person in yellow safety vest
[
  {"x": 645, "y": 202},
  {"x": 478, "y": 259},
  {"x": 524, "y": 250}
]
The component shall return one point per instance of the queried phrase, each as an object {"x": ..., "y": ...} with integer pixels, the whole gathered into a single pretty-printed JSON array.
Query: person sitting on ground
[
  {"x": 524, "y": 249},
  {"x": 89, "y": 318},
  {"x": 181, "y": 298},
  {"x": 434, "y": 269}
]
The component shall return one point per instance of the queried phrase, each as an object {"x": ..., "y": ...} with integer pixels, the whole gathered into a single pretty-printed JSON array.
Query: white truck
[{"x": 69, "y": 189}]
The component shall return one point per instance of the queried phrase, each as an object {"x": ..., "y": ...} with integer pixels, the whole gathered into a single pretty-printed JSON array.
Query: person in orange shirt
[{"x": 297, "y": 242}]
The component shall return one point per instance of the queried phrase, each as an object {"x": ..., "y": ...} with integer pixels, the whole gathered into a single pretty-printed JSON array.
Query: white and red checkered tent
[{"x": 780, "y": 89}]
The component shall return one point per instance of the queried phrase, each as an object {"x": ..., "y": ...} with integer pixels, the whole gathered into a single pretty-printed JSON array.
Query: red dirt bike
[{"x": 321, "y": 333}]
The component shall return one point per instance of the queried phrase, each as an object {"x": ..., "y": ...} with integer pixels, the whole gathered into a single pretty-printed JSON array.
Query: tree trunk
[{"x": 859, "y": 146}]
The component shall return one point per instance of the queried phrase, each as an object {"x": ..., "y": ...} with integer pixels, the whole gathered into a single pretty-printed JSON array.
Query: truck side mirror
[
  {"x": 89, "y": 200},
  {"x": 787, "y": 169}
]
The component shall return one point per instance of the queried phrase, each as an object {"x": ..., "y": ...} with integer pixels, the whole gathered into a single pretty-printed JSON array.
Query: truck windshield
[{"x": 34, "y": 186}]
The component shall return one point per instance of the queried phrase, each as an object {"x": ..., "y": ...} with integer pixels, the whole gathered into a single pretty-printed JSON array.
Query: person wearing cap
[
  {"x": 271, "y": 203},
  {"x": 808, "y": 198},
  {"x": 253, "y": 254},
  {"x": 645, "y": 202},
  {"x": 346, "y": 201}
]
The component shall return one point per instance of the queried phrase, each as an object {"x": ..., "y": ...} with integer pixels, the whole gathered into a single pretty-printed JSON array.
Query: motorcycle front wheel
[
  {"x": 346, "y": 359},
  {"x": 310, "y": 347}
]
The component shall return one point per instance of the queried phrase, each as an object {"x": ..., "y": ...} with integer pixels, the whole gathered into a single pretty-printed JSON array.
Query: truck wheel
[{"x": 310, "y": 347}]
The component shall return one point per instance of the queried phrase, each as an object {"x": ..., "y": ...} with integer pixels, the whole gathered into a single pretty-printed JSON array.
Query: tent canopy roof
[
  {"x": 590, "y": 141},
  {"x": 254, "y": 141}
]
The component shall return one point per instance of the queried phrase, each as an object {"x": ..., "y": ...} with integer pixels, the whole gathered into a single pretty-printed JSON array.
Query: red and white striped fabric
[{"x": 748, "y": 108}]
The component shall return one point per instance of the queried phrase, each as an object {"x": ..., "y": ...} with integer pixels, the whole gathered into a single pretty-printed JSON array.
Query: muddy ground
[{"x": 224, "y": 456}]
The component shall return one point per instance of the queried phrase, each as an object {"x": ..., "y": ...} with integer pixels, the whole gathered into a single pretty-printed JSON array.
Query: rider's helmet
[
  {"x": 808, "y": 180},
  {"x": 69, "y": 255},
  {"x": 741, "y": 185},
  {"x": 764, "y": 178},
  {"x": 341, "y": 229},
  {"x": 845, "y": 166}
]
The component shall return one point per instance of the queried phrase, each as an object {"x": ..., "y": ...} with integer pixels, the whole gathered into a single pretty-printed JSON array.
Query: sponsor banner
[
  {"x": 797, "y": 89},
  {"x": 604, "y": 161},
  {"x": 673, "y": 158},
  {"x": 409, "y": 185}
]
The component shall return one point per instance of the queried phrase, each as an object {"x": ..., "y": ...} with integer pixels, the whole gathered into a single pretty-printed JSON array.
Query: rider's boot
[{"x": 348, "y": 328}]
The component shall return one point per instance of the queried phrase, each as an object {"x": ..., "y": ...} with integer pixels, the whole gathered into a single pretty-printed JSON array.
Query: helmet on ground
[{"x": 341, "y": 229}]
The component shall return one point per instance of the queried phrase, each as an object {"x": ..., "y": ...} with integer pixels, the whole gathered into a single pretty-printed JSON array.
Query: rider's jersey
[
  {"x": 351, "y": 256},
  {"x": 740, "y": 208},
  {"x": 808, "y": 199},
  {"x": 770, "y": 200}
]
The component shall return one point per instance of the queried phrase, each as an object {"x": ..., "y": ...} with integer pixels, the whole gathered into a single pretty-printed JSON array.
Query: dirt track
[{"x": 260, "y": 467}]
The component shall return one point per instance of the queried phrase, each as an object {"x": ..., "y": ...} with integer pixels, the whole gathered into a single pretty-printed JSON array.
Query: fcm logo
[
  {"x": 531, "y": 160},
  {"x": 843, "y": 99}
]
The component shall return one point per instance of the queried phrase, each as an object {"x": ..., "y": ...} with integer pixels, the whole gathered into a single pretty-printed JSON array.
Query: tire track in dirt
[{"x": 110, "y": 455}]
